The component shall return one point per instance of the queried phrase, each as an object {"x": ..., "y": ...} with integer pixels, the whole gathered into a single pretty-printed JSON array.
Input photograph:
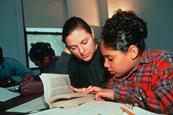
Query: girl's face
[
  {"x": 81, "y": 44},
  {"x": 117, "y": 62},
  {"x": 46, "y": 61}
]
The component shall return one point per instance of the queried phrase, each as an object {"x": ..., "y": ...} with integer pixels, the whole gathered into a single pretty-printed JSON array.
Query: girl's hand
[{"x": 105, "y": 94}]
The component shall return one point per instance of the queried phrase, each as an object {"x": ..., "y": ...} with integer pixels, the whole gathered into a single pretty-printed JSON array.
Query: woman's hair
[
  {"x": 123, "y": 29},
  {"x": 72, "y": 24},
  {"x": 40, "y": 50}
]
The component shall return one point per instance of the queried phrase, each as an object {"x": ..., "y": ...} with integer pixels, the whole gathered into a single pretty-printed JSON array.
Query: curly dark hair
[
  {"x": 123, "y": 29},
  {"x": 40, "y": 50}
]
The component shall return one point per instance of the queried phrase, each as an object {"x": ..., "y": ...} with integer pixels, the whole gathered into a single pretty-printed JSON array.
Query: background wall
[
  {"x": 44, "y": 13},
  {"x": 11, "y": 29},
  {"x": 157, "y": 14},
  {"x": 159, "y": 17},
  {"x": 53, "y": 13}
]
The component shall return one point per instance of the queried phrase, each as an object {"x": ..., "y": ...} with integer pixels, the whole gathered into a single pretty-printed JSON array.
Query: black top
[
  {"x": 51, "y": 67},
  {"x": 83, "y": 74}
]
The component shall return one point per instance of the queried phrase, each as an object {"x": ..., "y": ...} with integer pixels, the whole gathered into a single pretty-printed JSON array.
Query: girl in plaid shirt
[{"x": 138, "y": 77}]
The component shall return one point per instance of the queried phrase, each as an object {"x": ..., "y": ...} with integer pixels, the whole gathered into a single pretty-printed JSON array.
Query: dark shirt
[
  {"x": 83, "y": 74},
  {"x": 51, "y": 67}
]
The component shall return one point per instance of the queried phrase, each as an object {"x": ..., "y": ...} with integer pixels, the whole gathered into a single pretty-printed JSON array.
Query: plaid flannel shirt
[{"x": 149, "y": 84}]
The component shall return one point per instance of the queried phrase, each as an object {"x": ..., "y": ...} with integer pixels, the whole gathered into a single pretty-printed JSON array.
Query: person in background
[
  {"x": 82, "y": 58},
  {"x": 44, "y": 57},
  {"x": 139, "y": 77},
  {"x": 12, "y": 72}
]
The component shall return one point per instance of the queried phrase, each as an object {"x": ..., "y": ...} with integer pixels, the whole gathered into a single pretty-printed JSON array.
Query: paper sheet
[
  {"x": 90, "y": 108},
  {"x": 7, "y": 95},
  {"x": 32, "y": 105},
  {"x": 95, "y": 108}
]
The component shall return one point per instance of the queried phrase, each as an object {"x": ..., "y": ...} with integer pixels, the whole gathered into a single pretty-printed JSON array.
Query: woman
[{"x": 82, "y": 58}]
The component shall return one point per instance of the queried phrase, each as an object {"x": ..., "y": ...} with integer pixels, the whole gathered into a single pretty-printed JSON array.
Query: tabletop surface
[{"x": 15, "y": 102}]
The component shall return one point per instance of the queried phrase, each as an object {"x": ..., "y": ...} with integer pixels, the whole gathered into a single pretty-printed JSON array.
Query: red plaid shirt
[{"x": 150, "y": 83}]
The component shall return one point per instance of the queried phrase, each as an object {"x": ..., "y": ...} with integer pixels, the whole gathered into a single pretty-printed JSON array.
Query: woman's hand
[
  {"x": 82, "y": 90},
  {"x": 79, "y": 90},
  {"x": 101, "y": 93},
  {"x": 93, "y": 89}
]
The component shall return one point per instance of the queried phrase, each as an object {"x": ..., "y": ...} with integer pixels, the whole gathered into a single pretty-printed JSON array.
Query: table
[
  {"x": 88, "y": 108},
  {"x": 15, "y": 102}
]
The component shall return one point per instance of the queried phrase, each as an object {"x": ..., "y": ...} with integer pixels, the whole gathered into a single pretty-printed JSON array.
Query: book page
[
  {"x": 57, "y": 92},
  {"x": 66, "y": 96},
  {"x": 55, "y": 84},
  {"x": 72, "y": 102}
]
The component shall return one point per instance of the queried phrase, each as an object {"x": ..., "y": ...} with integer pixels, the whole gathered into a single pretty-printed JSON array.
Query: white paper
[
  {"x": 95, "y": 108},
  {"x": 7, "y": 95},
  {"x": 32, "y": 105},
  {"x": 143, "y": 112}
]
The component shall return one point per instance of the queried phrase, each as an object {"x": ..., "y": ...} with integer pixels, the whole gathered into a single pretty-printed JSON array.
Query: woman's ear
[
  {"x": 93, "y": 34},
  {"x": 133, "y": 52}
]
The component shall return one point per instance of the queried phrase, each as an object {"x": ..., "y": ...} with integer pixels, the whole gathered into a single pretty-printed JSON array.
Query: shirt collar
[{"x": 146, "y": 58}]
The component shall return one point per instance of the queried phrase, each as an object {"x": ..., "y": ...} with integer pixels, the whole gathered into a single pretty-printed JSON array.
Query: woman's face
[
  {"x": 117, "y": 62},
  {"x": 81, "y": 44}
]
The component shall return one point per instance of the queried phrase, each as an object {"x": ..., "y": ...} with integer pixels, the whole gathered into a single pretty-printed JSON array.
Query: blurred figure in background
[
  {"x": 11, "y": 69},
  {"x": 44, "y": 57}
]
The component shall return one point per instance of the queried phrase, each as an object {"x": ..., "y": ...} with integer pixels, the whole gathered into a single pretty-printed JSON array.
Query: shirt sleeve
[{"x": 18, "y": 69}]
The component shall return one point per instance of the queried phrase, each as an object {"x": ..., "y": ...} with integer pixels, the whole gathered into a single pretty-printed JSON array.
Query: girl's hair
[
  {"x": 123, "y": 29},
  {"x": 40, "y": 50}
]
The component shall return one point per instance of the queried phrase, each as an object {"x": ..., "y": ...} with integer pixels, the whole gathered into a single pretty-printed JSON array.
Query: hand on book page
[
  {"x": 57, "y": 92},
  {"x": 70, "y": 102}
]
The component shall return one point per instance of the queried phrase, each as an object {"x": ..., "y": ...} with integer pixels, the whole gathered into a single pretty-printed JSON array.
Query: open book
[{"x": 57, "y": 92}]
